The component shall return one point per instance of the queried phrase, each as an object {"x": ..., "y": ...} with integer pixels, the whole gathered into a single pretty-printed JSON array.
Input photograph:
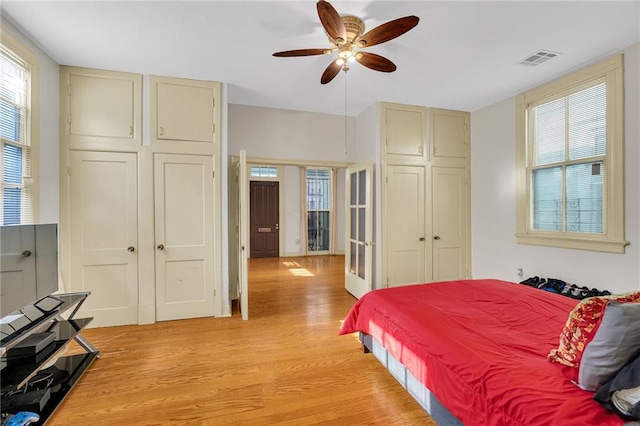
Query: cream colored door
[
  {"x": 359, "y": 229},
  {"x": 450, "y": 223},
  {"x": 183, "y": 236},
  {"x": 99, "y": 109},
  {"x": 17, "y": 267},
  {"x": 243, "y": 234},
  {"x": 404, "y": 131},
  {"x": 104, "y": 234},
  {"x": 405, "y": 225},
  {"x": 183, "y": 114}
]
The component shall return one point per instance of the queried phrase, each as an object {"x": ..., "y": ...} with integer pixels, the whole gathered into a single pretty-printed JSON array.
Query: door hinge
[
  {"x": 213, "y": 128},
  {"x": 213, "y": 174},
  {"x": 213, "y": 102},
  {"x": 69, "y": 90},
  {"x": 69, "y": 118},
  {"x": 69, "y": 171},
  {"x": 386, "y": 179},
  {"x": 435, "y": 150}
]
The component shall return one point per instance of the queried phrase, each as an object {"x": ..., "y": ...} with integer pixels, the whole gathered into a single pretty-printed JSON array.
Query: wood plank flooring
[{"x": 287, "y": 365}]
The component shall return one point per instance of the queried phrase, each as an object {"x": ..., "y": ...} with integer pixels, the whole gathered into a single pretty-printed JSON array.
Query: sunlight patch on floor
[
  {"x": 290, "y": 264},
  {"x": 301, "y": 272}
]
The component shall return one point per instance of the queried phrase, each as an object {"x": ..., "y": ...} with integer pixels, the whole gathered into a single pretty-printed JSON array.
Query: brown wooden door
[{"x": 264, "y": 226}]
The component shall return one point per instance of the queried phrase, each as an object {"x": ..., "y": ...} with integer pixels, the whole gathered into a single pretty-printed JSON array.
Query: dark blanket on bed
[{"x": 481, "y": 347}]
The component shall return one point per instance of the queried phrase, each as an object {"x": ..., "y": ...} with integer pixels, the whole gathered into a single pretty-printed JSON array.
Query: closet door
[
  {"x": 104, "y": 228},
  {"x": 100, "y": 110},
  {"x": 183, "y": 236},
  {"x": 404, "y": 132},
  {"x": 450, "y": 223},
  {"x": 405, "y": 230}
]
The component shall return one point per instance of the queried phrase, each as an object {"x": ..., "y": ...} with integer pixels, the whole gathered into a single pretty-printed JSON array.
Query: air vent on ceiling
[{"x": 538, "y": 57}]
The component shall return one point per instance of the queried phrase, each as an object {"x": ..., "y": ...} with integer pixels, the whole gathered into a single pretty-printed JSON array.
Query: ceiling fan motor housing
[{"x": 354, "y": 26}]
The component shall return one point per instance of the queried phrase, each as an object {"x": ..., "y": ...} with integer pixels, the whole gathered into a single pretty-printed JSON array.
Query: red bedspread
[{"x": 481, "y": 347}]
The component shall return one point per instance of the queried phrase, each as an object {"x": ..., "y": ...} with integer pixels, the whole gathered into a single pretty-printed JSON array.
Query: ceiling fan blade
[
  {"x": 332, "y": 70},
  {"x": 388, "y": 31},
  {"x": 301, "y": 52},
  {"x": 375, "y": 62},
  {"x": 331, "y": 21}
]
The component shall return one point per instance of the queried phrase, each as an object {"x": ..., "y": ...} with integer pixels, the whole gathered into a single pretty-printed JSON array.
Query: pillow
[{"x": 601, "y": 335}]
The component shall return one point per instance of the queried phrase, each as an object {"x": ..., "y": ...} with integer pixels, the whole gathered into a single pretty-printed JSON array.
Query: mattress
[{"x": 481, "y": 347}]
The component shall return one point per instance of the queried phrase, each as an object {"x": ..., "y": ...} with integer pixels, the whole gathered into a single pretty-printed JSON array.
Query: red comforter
[{"x": 481, "y": 347}]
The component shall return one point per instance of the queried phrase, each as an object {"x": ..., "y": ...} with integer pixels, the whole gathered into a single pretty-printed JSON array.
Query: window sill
[{"x": 573, "y": 243}]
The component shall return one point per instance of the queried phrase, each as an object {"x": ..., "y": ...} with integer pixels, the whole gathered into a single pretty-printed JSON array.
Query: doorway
[{"x": 264, "y": 219}]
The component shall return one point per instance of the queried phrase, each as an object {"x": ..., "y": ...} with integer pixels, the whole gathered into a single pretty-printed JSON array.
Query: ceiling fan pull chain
[{"x": 346, "y": 144}]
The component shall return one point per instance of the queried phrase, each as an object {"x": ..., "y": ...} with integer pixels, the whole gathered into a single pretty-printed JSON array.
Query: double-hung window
[
  {"x": 17, "y": 69},
  {"x": 570, "y": 161}
]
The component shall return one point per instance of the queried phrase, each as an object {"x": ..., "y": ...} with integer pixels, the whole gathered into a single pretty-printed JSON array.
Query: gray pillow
[{"x": 617, "y": 341}]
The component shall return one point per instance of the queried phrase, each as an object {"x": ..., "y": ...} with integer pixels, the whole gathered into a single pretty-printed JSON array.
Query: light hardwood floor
[{"x": 287, "y": 365}]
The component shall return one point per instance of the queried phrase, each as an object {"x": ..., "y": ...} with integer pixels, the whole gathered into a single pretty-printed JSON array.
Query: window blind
[{"x": 15, "y": 186}]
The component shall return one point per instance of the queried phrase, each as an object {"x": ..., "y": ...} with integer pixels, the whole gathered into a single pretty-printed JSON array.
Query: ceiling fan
[{"x": 347, "y": 36}]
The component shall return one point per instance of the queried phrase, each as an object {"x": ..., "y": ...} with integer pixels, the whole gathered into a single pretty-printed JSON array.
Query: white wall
[
  {"x": 493, "y": 203},
  {"x": 49, "y": 134},
  {"x": 286, "y": 134}
]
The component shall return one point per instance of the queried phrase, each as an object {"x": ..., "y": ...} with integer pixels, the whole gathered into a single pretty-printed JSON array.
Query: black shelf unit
[{"x": 54, "y": 314}]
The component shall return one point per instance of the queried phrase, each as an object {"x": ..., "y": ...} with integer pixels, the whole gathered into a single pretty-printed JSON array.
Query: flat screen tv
[{"x": 28, "y": 264}]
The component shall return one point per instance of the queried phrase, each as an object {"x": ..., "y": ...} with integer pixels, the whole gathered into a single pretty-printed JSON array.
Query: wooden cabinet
[
  {"x": 449, "y": 133},
  {"x": 404, "y": 132},
  {"x": 121, "y": 198},
  {"x": 183, "y": 114},
  {"x": 425, "y": 194},
  {"x": 100, "y": 108}
]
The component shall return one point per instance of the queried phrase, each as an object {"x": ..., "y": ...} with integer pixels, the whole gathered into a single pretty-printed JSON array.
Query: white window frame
[
  {"x": 612, "y": 239},
  {"x": 33, "y": 126}
]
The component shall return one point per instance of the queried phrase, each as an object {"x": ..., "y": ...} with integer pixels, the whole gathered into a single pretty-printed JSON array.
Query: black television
[{"x": 28, "y": 265}]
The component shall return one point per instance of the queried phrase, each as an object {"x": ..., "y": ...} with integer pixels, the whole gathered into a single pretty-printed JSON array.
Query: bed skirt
[{"x": 417, "y": 390}]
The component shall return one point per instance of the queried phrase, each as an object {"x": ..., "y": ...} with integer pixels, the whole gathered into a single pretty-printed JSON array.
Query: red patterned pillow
[{"x": 584, "y": 325}]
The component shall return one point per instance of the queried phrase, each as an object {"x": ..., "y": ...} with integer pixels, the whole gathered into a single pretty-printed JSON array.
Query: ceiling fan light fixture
[{"x": 346, "y": 52}]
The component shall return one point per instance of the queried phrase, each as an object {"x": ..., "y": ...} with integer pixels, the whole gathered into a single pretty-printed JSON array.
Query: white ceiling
[{"x": 462, "y": 55}]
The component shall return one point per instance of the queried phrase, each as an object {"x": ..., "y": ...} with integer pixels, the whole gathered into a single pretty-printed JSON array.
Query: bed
[{"x": 474, "y": 352}]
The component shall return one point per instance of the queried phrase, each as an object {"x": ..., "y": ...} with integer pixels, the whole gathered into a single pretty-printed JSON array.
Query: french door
[{"x": 359, "y": 229}]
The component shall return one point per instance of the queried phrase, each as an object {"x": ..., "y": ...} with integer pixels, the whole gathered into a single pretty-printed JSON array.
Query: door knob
[
  {"x": 422, "y": 238},
  {"x": 26, "y": 253},
  {"x": 160, "y": 247},
  {"x": 131, "y": 249},
  {"x": 436, "y": 237},
  {"x": 277, "y": 226}
]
